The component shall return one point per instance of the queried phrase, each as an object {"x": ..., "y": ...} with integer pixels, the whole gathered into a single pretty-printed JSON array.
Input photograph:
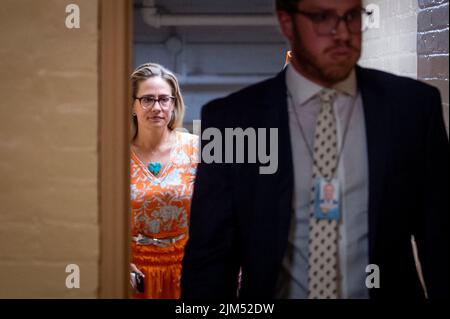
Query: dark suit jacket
[{"x": 240, "y": 218}]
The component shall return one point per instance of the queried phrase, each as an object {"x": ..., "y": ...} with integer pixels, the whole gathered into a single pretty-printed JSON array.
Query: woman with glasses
[{"x": 163, "y": 165}]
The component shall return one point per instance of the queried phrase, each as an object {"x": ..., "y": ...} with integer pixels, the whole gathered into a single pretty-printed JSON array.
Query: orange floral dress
[{"x": 160, "y": 208}]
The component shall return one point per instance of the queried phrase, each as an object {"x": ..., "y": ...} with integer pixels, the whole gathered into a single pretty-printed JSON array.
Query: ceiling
[{"x": 213, "y": 6}]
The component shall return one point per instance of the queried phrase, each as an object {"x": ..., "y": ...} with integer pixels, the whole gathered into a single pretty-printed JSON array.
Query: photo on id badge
[{"x": 327, "y": 199}]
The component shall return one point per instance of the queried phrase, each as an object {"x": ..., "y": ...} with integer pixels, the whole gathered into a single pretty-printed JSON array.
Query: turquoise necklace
[{"x": 154, "y": 167}]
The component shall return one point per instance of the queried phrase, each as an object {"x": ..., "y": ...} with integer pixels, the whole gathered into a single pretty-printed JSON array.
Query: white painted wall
[{"x": 393, "y": 46}]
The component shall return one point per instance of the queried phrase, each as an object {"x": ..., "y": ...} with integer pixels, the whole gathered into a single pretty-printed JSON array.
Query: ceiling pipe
[
  {"x": 226, "y": 80},
  {"x": 153, "y": 18}
]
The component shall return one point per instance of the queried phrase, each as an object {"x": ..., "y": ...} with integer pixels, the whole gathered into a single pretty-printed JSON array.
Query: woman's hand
[{"x": 135, "y": 269}]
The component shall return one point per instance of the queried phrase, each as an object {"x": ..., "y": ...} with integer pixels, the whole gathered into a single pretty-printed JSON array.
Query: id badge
[{"x": 327, "y": 199}]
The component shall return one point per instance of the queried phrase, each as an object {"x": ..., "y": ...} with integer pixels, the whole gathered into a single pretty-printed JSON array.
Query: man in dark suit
[{"x": 380, "y": 138}]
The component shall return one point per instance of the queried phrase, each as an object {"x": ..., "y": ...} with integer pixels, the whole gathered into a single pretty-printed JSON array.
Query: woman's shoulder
[
  {"x": 189, "y": 143},
  {"x": 187, "y": 138}
]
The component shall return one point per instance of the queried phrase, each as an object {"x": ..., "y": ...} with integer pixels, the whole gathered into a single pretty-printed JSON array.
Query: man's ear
[{"x": 286, "y": 24}]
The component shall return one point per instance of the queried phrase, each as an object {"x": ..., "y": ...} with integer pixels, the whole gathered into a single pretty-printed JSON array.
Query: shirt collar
[{"x": 303, "y": 89}]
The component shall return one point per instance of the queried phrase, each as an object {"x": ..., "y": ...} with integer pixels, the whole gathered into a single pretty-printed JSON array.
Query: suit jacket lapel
[
  {"x": 377, "y": 121},
  {"x": 286, "y": 170},
  {"x": 280, "y": 184}
]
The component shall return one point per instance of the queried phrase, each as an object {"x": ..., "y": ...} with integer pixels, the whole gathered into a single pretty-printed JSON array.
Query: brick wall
[
  {"x": 48, "y": 147},
  {"x": 393, "y": 46},
  {"x": 412, "y": 41},
  {"x": 432, "y": 46}
]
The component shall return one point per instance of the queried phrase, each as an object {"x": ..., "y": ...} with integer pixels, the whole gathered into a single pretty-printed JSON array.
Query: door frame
[{"x": 115, "y": 52}]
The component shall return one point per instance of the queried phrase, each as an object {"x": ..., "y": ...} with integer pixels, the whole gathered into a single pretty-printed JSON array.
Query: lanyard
[{"x": 310, "y": 151}]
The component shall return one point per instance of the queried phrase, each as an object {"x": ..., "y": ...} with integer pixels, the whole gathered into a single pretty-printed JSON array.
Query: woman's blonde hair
[{"x": 149, "y": 70}]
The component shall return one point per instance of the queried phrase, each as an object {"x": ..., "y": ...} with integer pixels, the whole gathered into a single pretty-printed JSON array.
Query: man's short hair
[{"x": 286, "y": 5}]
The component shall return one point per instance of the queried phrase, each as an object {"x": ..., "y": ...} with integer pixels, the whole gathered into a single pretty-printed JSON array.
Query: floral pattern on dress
[{"x": 160, "y": 205}]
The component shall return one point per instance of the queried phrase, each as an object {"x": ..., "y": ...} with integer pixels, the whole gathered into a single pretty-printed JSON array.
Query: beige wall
[{"x": 48, "y": 149}]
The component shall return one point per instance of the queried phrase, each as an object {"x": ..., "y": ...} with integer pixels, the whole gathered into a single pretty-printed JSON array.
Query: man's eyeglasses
[
  {"x": 327, "y": 22},
  {"x": 148, "y": 101}
]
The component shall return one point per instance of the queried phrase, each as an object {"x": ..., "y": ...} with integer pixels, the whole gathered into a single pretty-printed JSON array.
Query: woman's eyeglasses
[{"x": 148, "y": 101}]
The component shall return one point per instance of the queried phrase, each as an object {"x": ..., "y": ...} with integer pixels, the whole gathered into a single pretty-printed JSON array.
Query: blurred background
[
  {"x": 210, "y": 60},
  {"x": 50, "y": 107}
]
